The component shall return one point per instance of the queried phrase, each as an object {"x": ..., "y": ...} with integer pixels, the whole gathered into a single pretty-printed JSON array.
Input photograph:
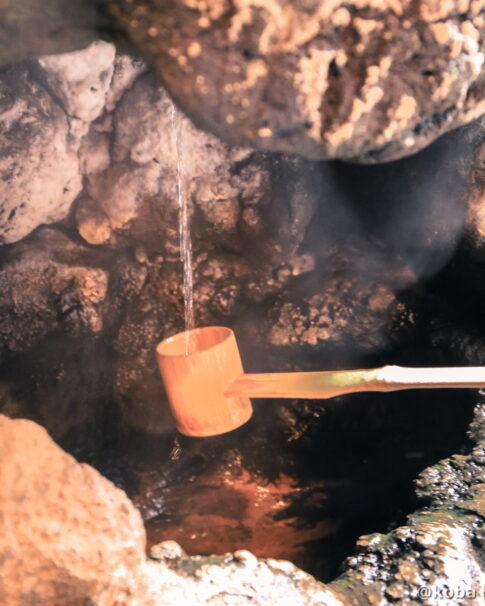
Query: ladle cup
[{"x": 209, "y": 393}]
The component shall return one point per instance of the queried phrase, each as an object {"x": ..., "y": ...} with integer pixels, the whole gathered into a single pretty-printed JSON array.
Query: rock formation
[
  {"x": 364, "y": 81},
  {"x": 95, "y": 146},
  {"x": 38, "y": 164},
  {"x": 68, "y": 537}
]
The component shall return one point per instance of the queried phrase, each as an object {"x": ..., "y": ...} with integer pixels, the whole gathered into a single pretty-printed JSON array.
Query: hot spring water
[{"x": 184, "y": 227}]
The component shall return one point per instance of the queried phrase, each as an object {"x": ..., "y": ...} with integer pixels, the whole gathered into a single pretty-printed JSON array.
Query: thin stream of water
[{"x": 184, "y": 229}]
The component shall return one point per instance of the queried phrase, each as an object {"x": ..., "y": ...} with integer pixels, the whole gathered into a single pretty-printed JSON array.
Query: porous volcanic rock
[
  {"x": 365, "y": 81},
  {"x": 42, "y": 292},
  {"x": 437, "y": 548},
  {"x": 59, "y": 301},
  {"x": 68, "y": 536}
]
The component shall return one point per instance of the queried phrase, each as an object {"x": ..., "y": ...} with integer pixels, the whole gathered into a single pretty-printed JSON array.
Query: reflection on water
[
  {"x": 300, "y": 481},
  {"x": 231, "y": 509}
]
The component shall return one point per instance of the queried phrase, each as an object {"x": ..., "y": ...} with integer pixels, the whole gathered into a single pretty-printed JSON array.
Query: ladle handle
[
  {"x": 322, "y": 385},
  {"x": 397, "y": 377}
]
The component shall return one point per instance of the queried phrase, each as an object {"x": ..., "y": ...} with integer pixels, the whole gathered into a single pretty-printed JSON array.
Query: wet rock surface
[
  {"x": 437, "y": 556},
  {"x": 303, "y": 491},
  {"x": 364, "y": 80},
  {"x": 70, "y": 537}
]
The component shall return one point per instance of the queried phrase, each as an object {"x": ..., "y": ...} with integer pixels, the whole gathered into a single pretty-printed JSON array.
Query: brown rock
[
  {"x": 365, "y": 80},
  {"x": 92, "y": 223},
  {"x": 54, "y": 306},
  {"x": 346, "y": 311},
  {"x": 67, "y": 535},
  {"x": 41, "y": 290}
]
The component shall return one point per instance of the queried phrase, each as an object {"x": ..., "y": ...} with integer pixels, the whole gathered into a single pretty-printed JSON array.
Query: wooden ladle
[{"x": 209, "y": 392}]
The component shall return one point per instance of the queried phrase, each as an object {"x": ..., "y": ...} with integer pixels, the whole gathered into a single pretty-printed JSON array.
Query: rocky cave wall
[{"x": 90, "y": 267}]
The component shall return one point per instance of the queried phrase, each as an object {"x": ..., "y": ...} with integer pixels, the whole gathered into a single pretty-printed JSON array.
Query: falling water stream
[
  {"x": 184, "y": 229},
  {"x": 298, "y": 482}
]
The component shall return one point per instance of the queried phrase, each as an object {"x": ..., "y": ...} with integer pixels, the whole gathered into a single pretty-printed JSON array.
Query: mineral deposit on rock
[{"x": 364, "y": 80}]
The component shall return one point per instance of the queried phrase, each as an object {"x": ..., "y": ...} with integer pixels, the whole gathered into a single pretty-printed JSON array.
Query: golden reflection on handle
[{"x": 322, "y": 385}]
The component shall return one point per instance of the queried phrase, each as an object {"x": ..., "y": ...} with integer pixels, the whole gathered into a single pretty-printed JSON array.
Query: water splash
[
  {"x": 184, "y": 229},
  {"x": 176, "y": 451}
]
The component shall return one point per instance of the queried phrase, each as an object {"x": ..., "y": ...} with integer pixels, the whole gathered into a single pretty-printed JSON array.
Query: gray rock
[
  {"x": 145, "y": 157},
  {"x": 39, "y": 166},
  {"x": 81, "y": 79},
  {"x": 55, "y": 120},
  {"x": 126, "y": 71},
  {"x": 237, "y": 580}
]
